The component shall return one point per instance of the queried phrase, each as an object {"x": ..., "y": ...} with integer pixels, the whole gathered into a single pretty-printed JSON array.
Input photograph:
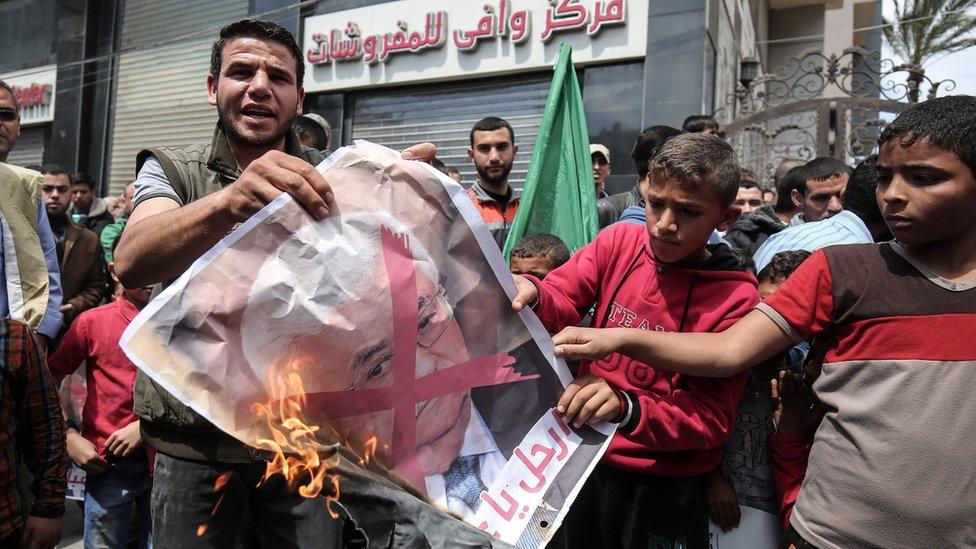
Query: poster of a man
[{"x": 393, "y": 313}]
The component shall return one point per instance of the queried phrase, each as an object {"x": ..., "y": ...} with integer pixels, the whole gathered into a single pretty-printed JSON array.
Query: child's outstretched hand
[
  {"x": 527, "y": 294},
  {"x": 588, "y": 399},
  {"x": 588, "y": 343}
]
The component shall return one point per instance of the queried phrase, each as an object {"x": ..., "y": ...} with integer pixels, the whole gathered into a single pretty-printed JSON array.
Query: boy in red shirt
[
  {"x": 649, "y": 489},
  {"x": 118, "y": 466},
  {"x": 892, "y": 460}
]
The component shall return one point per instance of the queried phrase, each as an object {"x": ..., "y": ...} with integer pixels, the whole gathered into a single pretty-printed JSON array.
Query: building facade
[
  {"x": 57, "y": 54},
  {"x": 102, "y": 79}
]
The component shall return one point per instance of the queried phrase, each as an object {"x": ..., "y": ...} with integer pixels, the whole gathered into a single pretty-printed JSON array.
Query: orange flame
[
  {"x": 222, "y": 481},
  {"x": 369, "y": 450},
  {"x": 219, "y": 485},
  {"x": 302, "y": 467}
]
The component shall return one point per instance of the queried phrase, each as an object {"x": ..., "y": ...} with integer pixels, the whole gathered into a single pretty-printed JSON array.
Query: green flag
[{"x": 559, "y": 195}]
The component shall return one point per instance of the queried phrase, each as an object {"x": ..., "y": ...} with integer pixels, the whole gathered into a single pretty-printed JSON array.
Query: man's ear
[
  {"x": 797, "y": 199},
  {"x": 471, "y": 153},
  {"x": 301, "y": 103},
  {"x": 514, "y": 149},
  {"x": 729, "y": 216},
  {"x": 211, "y": 90},
  {"x": 111, "y": 271}
]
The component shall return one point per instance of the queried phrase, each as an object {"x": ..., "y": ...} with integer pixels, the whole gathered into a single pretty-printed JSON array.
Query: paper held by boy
[{"x": 387, "y": 328}]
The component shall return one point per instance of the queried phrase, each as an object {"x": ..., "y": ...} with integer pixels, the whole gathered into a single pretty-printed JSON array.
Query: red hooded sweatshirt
[{"x": 680, "y": 422}]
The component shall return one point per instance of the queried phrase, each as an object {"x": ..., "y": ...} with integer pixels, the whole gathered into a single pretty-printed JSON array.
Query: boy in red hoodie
[{"x": 649, "y": 489}]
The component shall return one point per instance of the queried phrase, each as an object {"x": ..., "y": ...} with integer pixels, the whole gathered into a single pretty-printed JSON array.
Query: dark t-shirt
[{"x": 502, "y": 199}]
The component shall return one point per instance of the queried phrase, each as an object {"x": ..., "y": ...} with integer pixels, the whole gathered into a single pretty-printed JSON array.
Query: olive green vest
[
  {"x": 170, "y": 426},
  {"x": 25, "y": 272}
]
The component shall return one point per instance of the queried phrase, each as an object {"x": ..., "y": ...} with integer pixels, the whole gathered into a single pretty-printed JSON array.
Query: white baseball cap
[{"x": 602, "y": 149}]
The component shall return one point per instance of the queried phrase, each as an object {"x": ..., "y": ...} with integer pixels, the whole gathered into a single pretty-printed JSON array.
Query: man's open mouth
[{"x": 258, "y": 112}]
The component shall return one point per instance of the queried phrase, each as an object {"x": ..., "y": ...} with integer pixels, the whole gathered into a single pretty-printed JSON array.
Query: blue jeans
[{"x": 109, "y": 501}]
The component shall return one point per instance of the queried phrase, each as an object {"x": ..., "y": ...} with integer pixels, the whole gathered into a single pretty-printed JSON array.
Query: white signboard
[
  {"x": 418, "y": 40},
  {"x": 34, "y": 89}
]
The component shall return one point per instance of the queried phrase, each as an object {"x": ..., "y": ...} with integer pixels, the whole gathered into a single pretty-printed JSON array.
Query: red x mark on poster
[{"x": 407, "y": 390}]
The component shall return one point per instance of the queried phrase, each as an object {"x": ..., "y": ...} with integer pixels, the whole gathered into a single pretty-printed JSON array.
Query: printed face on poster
[{"x": 388, "y": 324}]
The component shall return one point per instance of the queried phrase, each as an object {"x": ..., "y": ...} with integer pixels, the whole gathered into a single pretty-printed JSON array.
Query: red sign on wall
[{"x": 34, "y": 95}]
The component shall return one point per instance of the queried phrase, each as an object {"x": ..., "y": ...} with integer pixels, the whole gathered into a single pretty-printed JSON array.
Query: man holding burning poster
[{"x": 391, "y": 335}]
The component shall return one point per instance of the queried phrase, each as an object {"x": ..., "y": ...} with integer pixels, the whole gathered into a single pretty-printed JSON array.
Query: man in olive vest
[{"x": 188, "y": 198}]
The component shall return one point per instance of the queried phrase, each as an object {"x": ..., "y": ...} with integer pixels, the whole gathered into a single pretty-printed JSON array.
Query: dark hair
[
  {"x": 949, "y": 123},
  {"x": 306, "y": 126},
  {"x": 700, "y": 159},
  {"x": 821, "y": 169},
  {"x": 490, "y": 124},
  {"x": 782, "y": 265},
  {"x": 83, "y": 178},
  {"x": 260, "y": 29},
  {"x": 784, "y": 167},
  {"x": 647, "y": 145},
  {"x": 55, "y": 169},
  {"x": 542, "y": 244},
  {"x": 746, "y": 263},
  {"x": 439, "y": 165},
  {"x": 784, "y": 188},
  {"x": 748, "y": 184},
  {"x": 860, "y": 198},
  {"x": 699, "y": 123},
  {"x": 10, "y": 89},
  {"x": 452, "y": 169}
]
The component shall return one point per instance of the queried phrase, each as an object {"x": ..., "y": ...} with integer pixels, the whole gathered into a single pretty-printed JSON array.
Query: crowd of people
[{"x": 799, "y": 346}]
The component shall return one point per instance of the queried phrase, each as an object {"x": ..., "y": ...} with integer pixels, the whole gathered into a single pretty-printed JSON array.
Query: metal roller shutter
[
  {"x": 444, "y": 113},
  {"x": 30, "y": 147},
  {"x": 161, "y": 93}
]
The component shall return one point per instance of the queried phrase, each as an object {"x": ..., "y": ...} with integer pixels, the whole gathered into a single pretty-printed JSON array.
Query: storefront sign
[
  {"x": 416, "y": 40},
  {"x": 34, "y": 89}
]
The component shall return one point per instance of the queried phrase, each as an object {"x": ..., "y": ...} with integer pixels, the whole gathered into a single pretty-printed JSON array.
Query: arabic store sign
[
  {"x": 416, "y": 40},
  {"x": 34, "y": 89}
]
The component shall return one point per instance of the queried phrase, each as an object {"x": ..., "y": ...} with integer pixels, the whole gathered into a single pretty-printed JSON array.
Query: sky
[{"x": 960, "y": 66}]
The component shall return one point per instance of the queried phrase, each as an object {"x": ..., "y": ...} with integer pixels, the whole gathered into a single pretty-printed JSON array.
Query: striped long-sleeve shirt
[
  {"x": 843, "y": 228},
  {"x": 31, "y": 427}
]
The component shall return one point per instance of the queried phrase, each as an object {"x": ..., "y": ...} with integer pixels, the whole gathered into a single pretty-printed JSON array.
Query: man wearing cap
[
  {"x": 313, "y": 131},
  {"x": 600, "y": 155}
]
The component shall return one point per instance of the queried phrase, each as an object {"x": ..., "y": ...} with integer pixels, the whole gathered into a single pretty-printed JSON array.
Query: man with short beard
[
  {"x": 79, "y": 251},
  {"x": 186, "y": 200},
  {"x": 493, "y": 153}
]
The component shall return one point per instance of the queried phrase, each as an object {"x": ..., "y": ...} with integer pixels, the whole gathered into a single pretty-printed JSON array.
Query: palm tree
[{"x": 925, "y": 29}]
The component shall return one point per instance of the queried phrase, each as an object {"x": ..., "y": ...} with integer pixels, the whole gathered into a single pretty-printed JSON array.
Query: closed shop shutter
[
  {"x": 161, "y": 93},
  {"x": 444, "y": 113},
  {"x": 30, "y": 146}
]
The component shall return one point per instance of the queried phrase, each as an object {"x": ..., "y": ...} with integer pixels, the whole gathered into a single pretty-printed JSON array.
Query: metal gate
[{"x": 818, "y": 105}]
